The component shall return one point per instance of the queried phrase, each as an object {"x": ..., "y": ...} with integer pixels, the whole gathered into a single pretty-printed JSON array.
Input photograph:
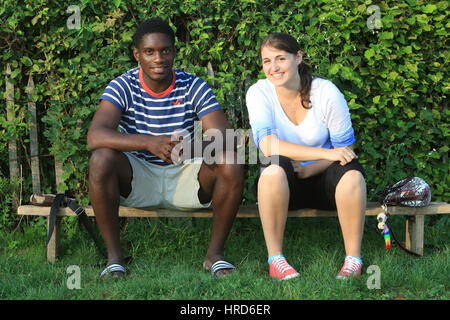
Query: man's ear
[{"x": 136, "y": 54}]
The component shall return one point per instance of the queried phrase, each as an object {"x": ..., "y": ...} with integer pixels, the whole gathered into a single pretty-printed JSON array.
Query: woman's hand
[
  {"x": 298, "y": 169},
  {"x": 306, "y": 171},
  {"x": 342, "y": 154}
]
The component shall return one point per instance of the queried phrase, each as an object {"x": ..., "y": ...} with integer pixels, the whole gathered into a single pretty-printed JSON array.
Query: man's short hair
[{"x": 151, "y": 26}]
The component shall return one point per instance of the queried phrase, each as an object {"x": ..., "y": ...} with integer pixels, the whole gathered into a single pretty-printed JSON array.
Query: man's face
[{"x": 156, "y": 53}]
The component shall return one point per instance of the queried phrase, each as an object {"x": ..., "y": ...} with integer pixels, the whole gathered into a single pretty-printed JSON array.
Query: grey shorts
[{"x": 171, "y": 187}]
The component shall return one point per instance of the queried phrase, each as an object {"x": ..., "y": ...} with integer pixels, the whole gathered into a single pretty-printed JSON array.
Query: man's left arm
[
  {"x": 215, "y": 125},
  {"x": 215, "y": 120}
]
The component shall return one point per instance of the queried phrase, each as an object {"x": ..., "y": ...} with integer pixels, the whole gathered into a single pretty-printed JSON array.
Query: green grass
[{"x": 168, "y": 255}]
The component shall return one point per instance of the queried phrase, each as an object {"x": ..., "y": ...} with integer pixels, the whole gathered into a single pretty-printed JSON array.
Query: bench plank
[
  {"x": 373, "y": 209},
  {"x": 415, "y": 217}
]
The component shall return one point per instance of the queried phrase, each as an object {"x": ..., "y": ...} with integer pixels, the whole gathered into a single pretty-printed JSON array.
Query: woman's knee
[
  {"x": 352, "y": 180},
  {"x": 279, "y": 168},
  {"x": 272, "y": 176},
  {"x": 282, "y": 161}
]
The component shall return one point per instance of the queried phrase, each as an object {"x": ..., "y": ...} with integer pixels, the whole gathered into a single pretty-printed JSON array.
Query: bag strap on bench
[
  {"x": 60, "y": 200},
  {"x": 388, "y": 223},
  {"x": 84, "y": 220},
  {"x": 57, "y": 202}
]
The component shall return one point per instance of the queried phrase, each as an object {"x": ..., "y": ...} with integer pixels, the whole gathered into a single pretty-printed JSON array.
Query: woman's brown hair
[{"x": 285, "y": 42}]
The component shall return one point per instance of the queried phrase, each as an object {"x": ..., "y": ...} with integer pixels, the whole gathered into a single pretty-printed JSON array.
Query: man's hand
[{"x": 163, "y": 147}]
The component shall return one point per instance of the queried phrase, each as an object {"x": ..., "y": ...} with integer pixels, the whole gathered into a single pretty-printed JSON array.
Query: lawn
[{"x": 168, "y": 255}]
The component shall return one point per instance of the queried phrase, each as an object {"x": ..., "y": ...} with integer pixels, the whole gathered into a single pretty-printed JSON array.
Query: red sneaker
[
  {"x": 351, "y": 268},
  {"x": 281, "y": 270}
]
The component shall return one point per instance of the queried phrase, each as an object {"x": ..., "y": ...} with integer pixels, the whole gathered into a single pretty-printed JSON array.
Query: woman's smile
[{"x": 279, "y": 66}]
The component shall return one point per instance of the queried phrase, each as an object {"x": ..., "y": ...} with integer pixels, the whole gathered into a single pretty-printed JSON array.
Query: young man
[{"x": 133, "y": 167}]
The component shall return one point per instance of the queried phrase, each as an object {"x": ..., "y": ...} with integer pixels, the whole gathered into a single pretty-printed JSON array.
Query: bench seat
[{"x": 414, "y": 218}]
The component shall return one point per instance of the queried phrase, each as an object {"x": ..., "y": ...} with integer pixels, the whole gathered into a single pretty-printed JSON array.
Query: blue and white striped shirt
[{"x": 186, "y": 100}]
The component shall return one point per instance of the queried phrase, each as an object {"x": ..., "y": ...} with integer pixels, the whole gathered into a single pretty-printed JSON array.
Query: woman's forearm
[
  {"x": 271, "y": 145},
  {"x": 310, "y": 170}
]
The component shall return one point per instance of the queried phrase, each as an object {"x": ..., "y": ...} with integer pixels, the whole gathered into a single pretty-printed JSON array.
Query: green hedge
[{"x": 395, "y": 78}]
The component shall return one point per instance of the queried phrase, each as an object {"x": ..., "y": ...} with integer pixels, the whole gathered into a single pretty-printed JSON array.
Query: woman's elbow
[
  {"x": 265, "y": 151},
  {"x": 269, "y": 146}
]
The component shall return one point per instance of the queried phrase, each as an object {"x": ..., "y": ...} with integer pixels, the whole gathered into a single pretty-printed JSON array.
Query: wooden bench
[{"x": 415, "y": 218}]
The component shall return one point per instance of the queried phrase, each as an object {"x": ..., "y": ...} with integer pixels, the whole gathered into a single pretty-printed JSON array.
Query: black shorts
[{"x": 317, "y": 192}]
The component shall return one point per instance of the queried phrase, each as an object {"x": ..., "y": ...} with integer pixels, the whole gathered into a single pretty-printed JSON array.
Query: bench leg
[
  {"x": 52, "y": 248},
  {"x": 414, "y": 233}
]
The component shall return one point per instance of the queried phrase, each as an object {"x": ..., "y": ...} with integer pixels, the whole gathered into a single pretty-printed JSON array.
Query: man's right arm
[{"x": 103, "y": 133}]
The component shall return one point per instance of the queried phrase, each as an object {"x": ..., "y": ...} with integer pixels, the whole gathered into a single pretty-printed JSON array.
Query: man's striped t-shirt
[{"x": 186, "y": 100}]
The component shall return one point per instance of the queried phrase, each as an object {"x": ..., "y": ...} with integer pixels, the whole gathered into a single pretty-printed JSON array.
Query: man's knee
[
  {"x": 229, "y": 169},
  {"x": 102, "y": 161}
]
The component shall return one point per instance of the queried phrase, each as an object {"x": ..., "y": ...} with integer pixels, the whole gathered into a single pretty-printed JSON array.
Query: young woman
[{"x": 302, "y": 123}]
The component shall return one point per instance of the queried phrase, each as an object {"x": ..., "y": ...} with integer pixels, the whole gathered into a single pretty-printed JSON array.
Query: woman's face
[{"x": 281, "y": 67}]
